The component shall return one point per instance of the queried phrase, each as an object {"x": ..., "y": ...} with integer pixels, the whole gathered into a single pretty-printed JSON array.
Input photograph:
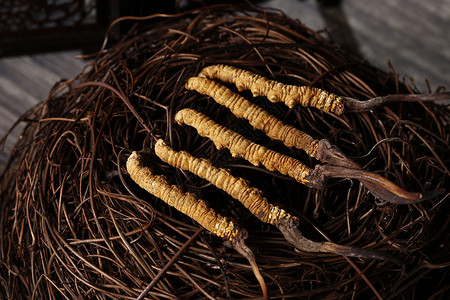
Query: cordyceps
[
  {"x": 254, "y": 200},
  {"x": 293, "y": 95},
  {"x": 193, "y": 207},
  {"x": 337, "y": 164}
]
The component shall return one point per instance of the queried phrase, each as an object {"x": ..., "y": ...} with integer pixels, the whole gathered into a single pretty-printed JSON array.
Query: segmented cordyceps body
[
  {"x": 238, "y": 188},
  {"x": 257, "y": 117},
  {"x": 186, "y": 203},
  {"x": 254, "y": 153},
  {"x": 275, "y": 91}
]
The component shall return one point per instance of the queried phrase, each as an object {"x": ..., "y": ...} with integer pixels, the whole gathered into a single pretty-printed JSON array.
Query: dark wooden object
[{"x": 38, "y": 26}]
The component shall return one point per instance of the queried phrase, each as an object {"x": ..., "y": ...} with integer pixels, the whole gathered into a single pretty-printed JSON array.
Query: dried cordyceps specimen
[
  {"x": 307, "y": 96},
  {"x": 186, "y": 203},
  {"x": 254, "y": 153},
  {"x": 193, "y": 207},
  {"x": 254, "y": 200},
  {"x": 275, "y": 91}
]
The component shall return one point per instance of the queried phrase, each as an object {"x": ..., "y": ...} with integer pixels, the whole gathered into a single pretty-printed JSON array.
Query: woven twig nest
[{"x": 75, "y": 226}]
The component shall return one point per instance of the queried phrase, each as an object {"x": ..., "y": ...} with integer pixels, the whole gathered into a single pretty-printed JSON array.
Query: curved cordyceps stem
[
  {"x": 330, "y": 154},
  {"x": 245, "y": 251},
  {"x": 292, "y": 234},
  {"x": 195, "y": 208},
  {"x": 339, "y": 166},
  {"x": 354, "y": 105},
  {"x": 328, "y": 247},
  {"x": 379, "y": 186}
]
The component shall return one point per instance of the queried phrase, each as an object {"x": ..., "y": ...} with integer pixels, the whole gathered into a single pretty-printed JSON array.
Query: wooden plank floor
[
  {"x": 26, "y": 80},
  {"x": 413, "y": 34}
]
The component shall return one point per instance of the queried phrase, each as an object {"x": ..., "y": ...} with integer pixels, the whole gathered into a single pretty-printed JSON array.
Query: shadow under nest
[{"x": 74, "y": 225}]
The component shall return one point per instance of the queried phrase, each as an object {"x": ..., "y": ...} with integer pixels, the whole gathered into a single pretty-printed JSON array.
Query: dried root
[
  {"x": 195, "y": 208},
  {"x": 258, "y": 117},
  {"x": 289, "y": 228},
  {"x": 291, "y": 95},
  {"x": 254, "y": 200},
  {"x": 254, "y": 153},
  {"x": 354, "y": 105}
]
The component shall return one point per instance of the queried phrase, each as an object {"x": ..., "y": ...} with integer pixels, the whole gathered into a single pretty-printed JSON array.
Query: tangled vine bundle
[{"x": 74, "y": 225}]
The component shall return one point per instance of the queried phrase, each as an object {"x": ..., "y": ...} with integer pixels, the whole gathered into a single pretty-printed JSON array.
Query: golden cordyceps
[
  {"x": 242, "y": 147},
  {"x": 238, "y": 188},
  {"x": 275, "y": 91},
  {"x": 257, "y": 117},
  {"x": 186, "y": 203}
]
